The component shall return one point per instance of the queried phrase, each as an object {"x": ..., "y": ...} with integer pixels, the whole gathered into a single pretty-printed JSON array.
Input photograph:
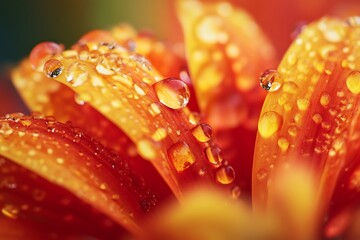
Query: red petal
[{"x": 66, "y": 157}]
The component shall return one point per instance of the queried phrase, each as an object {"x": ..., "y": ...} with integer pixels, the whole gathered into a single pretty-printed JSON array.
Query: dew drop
[
  {"x": 103, "y": 69},
  {"x": 283, "y": 144},
  {"x": 261, "y": 174},
  {"x": 181, "y": 156},
  {"x": 53, "y": 68},
  {"x": 5, "y": 129},
  {"x": 213, "y": 155},
  {"x": 303, "y": 104},
  {"x": 235, "y": 192},
  {"x": 269, "y": 123},
  {"x": 225, "y": 174},
  {"x": 77, "y": 74},
  {"x": 10, "y": 211},
  {"x": 173, "y": 93},
  {"x": 42, "y": 50},
  {"x": 317, "y": 118},
  {"x": 325, "y": 99},
  {"x": 154, "y": 109},
  {"x": 202, "y": 132},
  {"x": 353, "y": 82},
  {"x": 270, "y": 80},
  {"x": 293, "y": 131}
]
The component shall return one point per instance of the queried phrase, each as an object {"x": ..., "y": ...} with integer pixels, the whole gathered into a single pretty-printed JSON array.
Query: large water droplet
[
  {"x": 270, "y": 80},
  {"x": 213, "y": 154},
  {"x": 202, "y": 132},
  {"x": 181, "y": 156},
  {"x": 173, "y": 93},
  {"x": 269, "y": 123},
  {"x": 225, "y": 174},
  {"x": 353, "y": 82},
  {"x": 53, "y": 68}
]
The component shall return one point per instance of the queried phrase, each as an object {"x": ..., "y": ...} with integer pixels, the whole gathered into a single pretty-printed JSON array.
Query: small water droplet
[
  {"x": 103, "y": 69},
  {"x": 10, "y": 211},
  {"x": 353, "y": 82},
  {"x": 269, "y": 123},
  {"x": 225, "y": 174},
  {"x": 283, "y": 144},
  {"x": 159, "y": 134},
  {"x": 154, "y": 109},
  {"x": 262, "y": 174},
  {"x": 5, "y": 129},
  {"x": 181, "y": 156},
  {"x": 213, "y": 154},
  {"x": 77, "y": 74},
  {"x": 293, "y": 131},
  {"x": 202, "y": 132},
  {"x": 236, "y": 192},
  {"x": 303, "y": 104},
  {"x": 173, "y": 93},
  {"x": 53, "y": 68},
  {"x": 317, "y": 118},
  {"x": 270, "y": 80},
  {"x": 142, "y": 61},
  {"x": 325, "y": 99}
]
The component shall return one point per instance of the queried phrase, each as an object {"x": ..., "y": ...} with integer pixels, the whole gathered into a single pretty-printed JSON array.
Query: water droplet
[
  {"x": 173, "y": 93},
  {"x": 103, "y": 69},
  {"x": 269, "y": 123},
  {"x": 59, "y": 160},
  {"x": 353, "y": 82},
  {"x": 53, "y": 68},
  {"x": 262, "y": 174},
  {"x": 147, "y": 149},
  {"x": 42, "y": 50},
  {"x": 290, "y": 87},
  {"x": 77, "y": 74},
  {"x": 154, "y": 109},
  {"x": 5, "y": 129},
  {"x": 213, "y": 154},
  {"x": 303, "y": 104},
  {"x": 270, "y": 80},
  {"x": 142, "y": 61},
  {"x": 159, "y": 134},
  {"x": 283, "y": 144},
  {"x": 202, "y": 132},
  {"x": 181, "y": 156},
  {"x": 10, "y": 211},
  {"x": 317, "y": 118},
  {"x": 293, "y": 131},
  {"x": 353, "y": 21},
  {"x": 325, "y": 99},
  {"x": 236, "y": 192},
  {"x": 225, "y": 174}
]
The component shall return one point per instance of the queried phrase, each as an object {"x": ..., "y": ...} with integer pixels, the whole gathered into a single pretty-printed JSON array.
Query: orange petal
[
  {"x": 313, "y": 117},
  {"x": 118, "y": 84},
  {"x": 51, "y": 98},
  {"x": 39, "y": 209},
  {"x": 65, "y": 156},
  {"x": 227, "y": 52}
]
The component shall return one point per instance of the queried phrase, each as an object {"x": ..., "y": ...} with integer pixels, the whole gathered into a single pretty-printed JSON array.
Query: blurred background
[{"x": 24, "y": 23}]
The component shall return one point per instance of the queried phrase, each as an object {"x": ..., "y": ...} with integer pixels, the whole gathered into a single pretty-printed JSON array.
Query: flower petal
[
  {"x": 313, "y": 118},
  {"x": 125, "y": 88},
  {"x": 208, "y": 214},
  {"x": 65, "y": 156},
  {"x": 227, "y": 52},
  {"x": 38, "y": 209}
]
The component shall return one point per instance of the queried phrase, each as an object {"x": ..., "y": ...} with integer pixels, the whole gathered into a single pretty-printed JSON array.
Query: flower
[{"x": 114, "y": 135}]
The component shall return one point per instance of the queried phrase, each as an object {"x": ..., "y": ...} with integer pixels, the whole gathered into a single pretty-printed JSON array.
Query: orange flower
[{"x": 115, "y": 134}]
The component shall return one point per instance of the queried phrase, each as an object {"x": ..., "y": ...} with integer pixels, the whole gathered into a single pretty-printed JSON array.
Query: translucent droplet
[
  {"x": 53, "y": 68},
  {"x": 303, "y": 104},
  {"x": 147, "y": 149},
  {"x": 325, "y": 99},
  {"x": 103, "y": 70},
  {"x": 202, "y": 132},
  {"x": 5, "y": 129},
  {"x": 270, "y": 80},
  {"x": 142, "y": 61},
  {"x": 181, "y": 156},
  {"x": 353, "y": 82},
  {"x": 317, "y": 118},
  {"x": 293, "y": 130},
  {"x": 77, "y": 74},
  {"x": 10, "y": 211},
  {"x": 173, "y": 93},
  {"x": 42, "y": 50},
  {"x": 353, "y": 21},
  {"x": 225, "y": 174},
  {"x": 269, "y": 123},
  {"x": 261, "y": 174},
  {"x": 283, "y": 144},
  {"x": 213, "y": 155},
  {"x": 154, "y": 109},
  {"x": 236, "y": 192}
]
